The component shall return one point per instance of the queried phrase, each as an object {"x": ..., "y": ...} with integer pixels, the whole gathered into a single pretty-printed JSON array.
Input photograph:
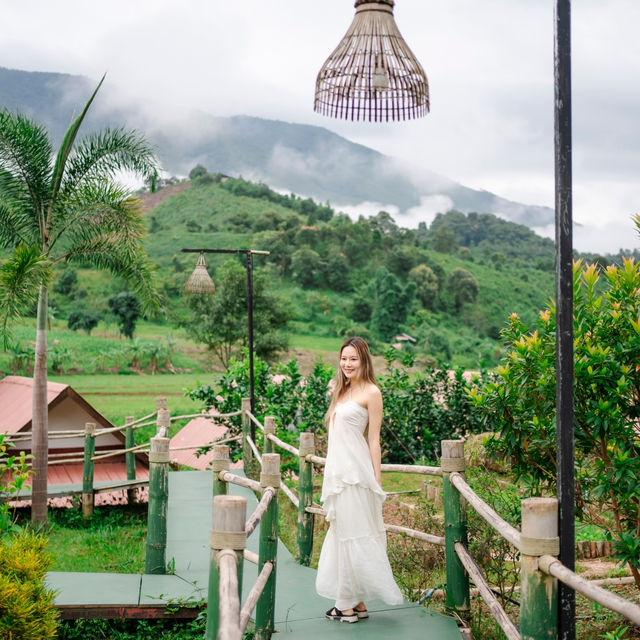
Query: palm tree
[{"x": 67, "y": 207}]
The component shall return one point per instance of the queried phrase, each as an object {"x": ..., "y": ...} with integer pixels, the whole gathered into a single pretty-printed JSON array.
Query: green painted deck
[{"x": 299, "y": 610}]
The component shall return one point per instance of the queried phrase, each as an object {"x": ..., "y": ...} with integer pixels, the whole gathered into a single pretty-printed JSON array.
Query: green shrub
[
  {"x": 27, "y": 611},
  {"x": 519, "y": 403},
  {"x": 14, "y": 473}
]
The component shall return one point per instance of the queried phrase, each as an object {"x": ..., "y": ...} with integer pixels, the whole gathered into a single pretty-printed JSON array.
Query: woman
[{"x": 353, "y": 565}]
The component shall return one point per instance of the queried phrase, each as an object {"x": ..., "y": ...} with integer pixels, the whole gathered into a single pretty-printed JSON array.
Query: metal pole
[
  {"x": 564, "y": 312},
  {"x": 250, "y": 316}
]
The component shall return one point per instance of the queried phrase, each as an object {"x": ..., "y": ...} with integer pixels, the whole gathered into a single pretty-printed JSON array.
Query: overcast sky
[{"x": 489, "y": 64}]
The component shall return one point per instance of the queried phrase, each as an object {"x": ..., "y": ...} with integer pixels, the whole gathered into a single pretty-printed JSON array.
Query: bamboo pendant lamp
[
  {"x": 200, "y": 281},
  {"x": 372, "y": 74}
]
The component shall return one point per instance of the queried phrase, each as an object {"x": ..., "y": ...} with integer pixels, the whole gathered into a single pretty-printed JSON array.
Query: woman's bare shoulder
[{"x": 372, "y": 391}]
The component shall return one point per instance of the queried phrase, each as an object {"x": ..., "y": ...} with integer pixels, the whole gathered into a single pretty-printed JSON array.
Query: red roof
[
  {"x": 197, "y": 432},
  {"x": 16, "y": 400}
]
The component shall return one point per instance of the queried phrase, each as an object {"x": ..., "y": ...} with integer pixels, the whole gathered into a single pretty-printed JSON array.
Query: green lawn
[
  {"x": 118, "y": 396},
  {"x": 315, "y": 343},
  {"x": 112, "y": 541}
]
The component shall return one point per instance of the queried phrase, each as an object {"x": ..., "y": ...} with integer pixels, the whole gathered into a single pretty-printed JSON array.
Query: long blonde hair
[{"x": 341, "y": 382}]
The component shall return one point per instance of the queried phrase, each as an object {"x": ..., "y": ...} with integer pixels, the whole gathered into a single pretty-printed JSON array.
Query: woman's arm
[{"x": 374, "y": 405}]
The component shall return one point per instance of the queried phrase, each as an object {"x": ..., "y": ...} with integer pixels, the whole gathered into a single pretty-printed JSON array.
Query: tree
[
  {"x": 337, "y": 271},
  {"x": 426, "y": 284},
  {"x": 219, "y": 321},
  {"x": 65, "y": 207},
  {"x": 391, "y": 304},
  {"x": 126, "y": 309},
  {"x": 462, "y": 286},
  {"x": 67, "y": 280},
  {"x": 197, "y": 172},
  {"x": 444, "y": 240},
  {"x": 83, "y": 319},
  {"x": 519, "y": 404},
  {"x": 307, "y": 267},
  {"x": 401, "y": 260}
]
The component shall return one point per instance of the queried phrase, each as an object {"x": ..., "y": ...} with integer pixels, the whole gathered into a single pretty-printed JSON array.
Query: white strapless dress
[{"x": 353, "y": 565}]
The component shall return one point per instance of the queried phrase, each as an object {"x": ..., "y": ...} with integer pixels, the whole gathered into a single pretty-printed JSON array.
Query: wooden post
[
  {"x": 155, "y": 561},
  {"x": 220, "y": 462},
  {"x": 161, "y": 403},
  {"x": 250, "y": 464},
  {"x": 130, "y": 458},
  {"x": 269, "y": 427},
  {"x": 539, "y": 591},
  {"x": 455, "y": 528},
  {"x": 305, "y": 519},
  {"x": 163, "y": 421},
  {"x": 87, "y": 473},
  {"x": 227, "y": 532},
  {"x": 268, "y": 551}
]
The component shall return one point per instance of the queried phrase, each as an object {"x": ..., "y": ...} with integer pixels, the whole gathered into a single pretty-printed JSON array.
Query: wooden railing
[
  {"x": 226, "y": 619},
  {"x": 537, "y": 542}
]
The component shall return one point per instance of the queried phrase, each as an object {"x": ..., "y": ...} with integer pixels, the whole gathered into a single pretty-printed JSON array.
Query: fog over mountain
[{"x": 304, "y": 159}]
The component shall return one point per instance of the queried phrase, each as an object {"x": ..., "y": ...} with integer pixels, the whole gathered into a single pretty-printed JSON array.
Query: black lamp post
[
  {"x": 200, "y": 282},
  {"x": 372, "y": 75}
]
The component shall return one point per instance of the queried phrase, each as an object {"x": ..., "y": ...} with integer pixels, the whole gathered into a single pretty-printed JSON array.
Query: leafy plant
[
  {"x": 421, "y": 408},
  {"x": 83, "y": 319},
  {"x": 519, "y": 402},
  {"x": 27, "y": 611},
  {"x": 126, "y": 308},
  {"x": 14, "y": 475},
  {"x": 297, "y": 403},
  {"x": 617, "y": 634},
  {"x": 21, "y": 357}
]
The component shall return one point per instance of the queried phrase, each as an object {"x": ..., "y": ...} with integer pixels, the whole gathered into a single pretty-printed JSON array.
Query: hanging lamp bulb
[
  {"x": 200, "y": 281},
  {"x": 372, "y": 74}
]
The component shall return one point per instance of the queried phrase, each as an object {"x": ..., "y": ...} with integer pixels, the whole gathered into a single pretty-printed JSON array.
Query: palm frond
[
  {"x": 95, "y": 209},
  {"x": 17, "y": 224},
  {"x": 25, "y": 165},
  {"x": 20, "y": 279},
  {"x": 106, "y": 154},
  {"x": 67, "y": 145},
  {"x": 111, "y": 251}
]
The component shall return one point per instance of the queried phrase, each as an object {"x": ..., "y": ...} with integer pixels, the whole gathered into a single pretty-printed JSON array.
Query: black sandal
[
  {"x": 361, "y": 613},
  {"x": 335, "y": 614}
]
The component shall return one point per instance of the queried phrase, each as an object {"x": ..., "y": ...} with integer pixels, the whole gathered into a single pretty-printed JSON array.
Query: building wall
[{"x": 69, "y": 415}]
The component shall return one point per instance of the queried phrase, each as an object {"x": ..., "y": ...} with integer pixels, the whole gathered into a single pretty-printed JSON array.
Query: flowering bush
[{"x": 519, "y": 403}]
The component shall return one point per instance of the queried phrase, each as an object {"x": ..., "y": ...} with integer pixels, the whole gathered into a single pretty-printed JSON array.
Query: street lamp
[
  {"x": 372, "y": 75},
  {"x": 200, "y": 282}
]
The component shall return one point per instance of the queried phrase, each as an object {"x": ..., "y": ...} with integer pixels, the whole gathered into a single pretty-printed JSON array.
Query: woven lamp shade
[
  {"x": 200, "y": 281},
  {"x": 372, "y": 75}
]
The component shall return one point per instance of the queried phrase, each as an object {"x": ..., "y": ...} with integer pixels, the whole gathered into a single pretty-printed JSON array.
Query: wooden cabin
[{"x": 68, "y": 410}]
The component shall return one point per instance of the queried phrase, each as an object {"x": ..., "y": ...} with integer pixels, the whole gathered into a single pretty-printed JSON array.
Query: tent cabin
[{"x": 68, "y": 410}]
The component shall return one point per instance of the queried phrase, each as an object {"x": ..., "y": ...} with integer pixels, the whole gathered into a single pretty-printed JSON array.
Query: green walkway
[{"x": 299, "y": 610}]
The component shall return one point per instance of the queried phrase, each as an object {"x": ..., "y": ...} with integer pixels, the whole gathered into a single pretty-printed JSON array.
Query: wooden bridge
[
  {"x": 299, "y": 611},
  {"x": 212, "y": 556}
]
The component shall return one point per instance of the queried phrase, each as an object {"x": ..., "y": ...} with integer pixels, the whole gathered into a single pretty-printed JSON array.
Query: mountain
[{"x": 303, "y": 159}]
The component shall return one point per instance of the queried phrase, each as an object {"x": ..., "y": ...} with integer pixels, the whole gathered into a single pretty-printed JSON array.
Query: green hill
[
  {"x": 327, "y": 264},
  {"x": 294, "y": 157}
]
